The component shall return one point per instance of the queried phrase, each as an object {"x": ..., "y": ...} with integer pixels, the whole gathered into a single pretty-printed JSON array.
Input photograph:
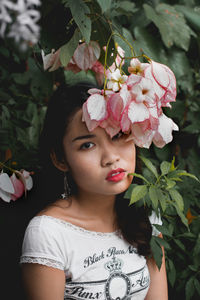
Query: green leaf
[
  {"x": 138, "y": 192},
  {"x": 180, "y": 245},
  {"x": 79, "y": 12},
  {"x": 129, "y": 191},
  {"x": 165, "y": 167},
  {"x": 196, "y": 250},
  {"x": 164, "y": 230},
  {"x": 153, "y": 196},
  {"x": 148, "y": 44},
  {"x": 197, "y": 285},
  {"x": 176, "y": 196},
  {"x": 171, "y": 24},
  {"x": 126, "y": 6},
  {"x": 72, "y": 78},
  {"x": 139, "y": 176},
  {"x": 21, "y": 78},
  {"x": 67, "y": 50},
  {"x": 22, "y": 137},
  {"x": 190, "y": 15},
  {"x": 162, "y": 153},
  {"x": 172, "y": 167},
  {"x": 149, "y": 165},
  {"x": 5, "y": 111},
  {"x": 171, "y": 274},
  {"x": 184, "y": 173},
  {"x": 162, "y": 242},
  {"x": 193, "y": 268},
  {"x": 180, "y": 64},
  {"x": 178, "y": 59},
  {"x": 124, "y": 45},
  {"x": 105, "y": 5},
  {"x": 181, "y": 215},
  {"x": 162, "y": 199},
  {"x": 170, "y": 183},
  {"x": 189, "y": 289},
  {"x": 157, "y": 251}
]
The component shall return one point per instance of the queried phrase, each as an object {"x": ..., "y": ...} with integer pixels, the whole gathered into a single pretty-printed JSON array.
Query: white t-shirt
[{"x": 96, "y": 265}]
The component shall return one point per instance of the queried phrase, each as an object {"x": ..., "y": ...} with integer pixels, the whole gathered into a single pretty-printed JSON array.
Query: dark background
[{"x": 14, "y": 218}]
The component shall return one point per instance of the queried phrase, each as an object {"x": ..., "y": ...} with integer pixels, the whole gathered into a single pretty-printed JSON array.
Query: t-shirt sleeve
[
  {"x": 154, "y": 219},
  {"x": 44, "y": 245}
]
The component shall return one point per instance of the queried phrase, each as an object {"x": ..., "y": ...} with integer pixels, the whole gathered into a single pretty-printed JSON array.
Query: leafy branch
[{"x": 160, "y": 192}]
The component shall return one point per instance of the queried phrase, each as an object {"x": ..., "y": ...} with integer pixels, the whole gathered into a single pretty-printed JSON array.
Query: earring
[{"x": 67, "y": 190}]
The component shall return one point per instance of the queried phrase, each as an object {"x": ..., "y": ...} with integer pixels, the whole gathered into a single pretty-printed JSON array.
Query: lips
[{"x": 116, "y": 175}]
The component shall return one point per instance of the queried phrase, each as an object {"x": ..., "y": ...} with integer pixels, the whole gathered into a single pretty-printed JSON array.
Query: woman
[{"x": 89, "y": 244}]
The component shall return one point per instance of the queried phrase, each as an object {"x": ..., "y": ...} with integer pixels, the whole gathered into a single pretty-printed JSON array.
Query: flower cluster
[
  {"x": 129, "y": 103},
  {"x": 133, "y": 103},
  {"x": 24, "y": 29},
  {"x": 13, "y": 187},
  {"x": 84, "y": 58}
]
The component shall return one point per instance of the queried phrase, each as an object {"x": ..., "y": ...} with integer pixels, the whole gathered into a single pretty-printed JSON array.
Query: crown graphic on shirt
[{"x": 114, "y": 265}]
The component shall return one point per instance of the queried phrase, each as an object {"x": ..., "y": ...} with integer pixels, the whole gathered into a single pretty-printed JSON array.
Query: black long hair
[{"x": 132, "y": 221}]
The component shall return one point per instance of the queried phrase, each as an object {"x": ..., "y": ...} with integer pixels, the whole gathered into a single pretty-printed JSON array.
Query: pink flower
[
  {"x": 119, "y": 58},
  {"x": 6, "y": 187},
  {"x": 72, "y": 66},
  {"x": 98, "y": 68},
  {"x": 136, "y": 67},
  {"x": 119, "y": 61},
  {"x": 134, "y": 103},
  {"x": 85, "y": 56},
  {"x": 143, "y": 92},
  {"x": 164, "y": 82},
  {"x": 114, "y": 107},
  {"x": 18, "y": 187},
  {"x": 163, "y": 135},
  {"x": 116, "y": 80},
  {"x": 94, "y": 111},
  {"x": 28, "y": 179},
  {"x": 141, "y": 137},
  {"x": 51, "y": 61}
]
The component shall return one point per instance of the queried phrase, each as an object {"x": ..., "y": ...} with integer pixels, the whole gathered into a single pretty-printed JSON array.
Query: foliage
[
  {"x": 160, "y": 193},
  {"x": 166, "y": 31}
]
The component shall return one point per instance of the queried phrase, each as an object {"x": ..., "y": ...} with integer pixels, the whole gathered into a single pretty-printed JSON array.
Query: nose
[{"x": 110, "y": 155}]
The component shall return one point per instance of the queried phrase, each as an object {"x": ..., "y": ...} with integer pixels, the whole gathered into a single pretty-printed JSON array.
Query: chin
[{"x": 118, "y": 190}]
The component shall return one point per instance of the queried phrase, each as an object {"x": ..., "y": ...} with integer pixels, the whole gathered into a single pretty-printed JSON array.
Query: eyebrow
[{"x": 83, "y": 137}]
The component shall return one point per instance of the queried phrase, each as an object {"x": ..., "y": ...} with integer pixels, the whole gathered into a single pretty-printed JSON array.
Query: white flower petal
[
  {"x": 163, "y": 134},
  {"x": 5, "y": 196},
  {"x": 160, "y": 74},
  {"x": 6, "y": 184},
  {"x": 96, "y": 107},
  {"x": 137, "y": 112},
  {"x": 141, "y": 138},
  {"x": 116, "y": 75}
]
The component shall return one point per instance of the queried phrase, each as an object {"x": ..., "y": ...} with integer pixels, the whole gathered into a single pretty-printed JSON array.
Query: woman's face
[{"x": 98, "y": 164}]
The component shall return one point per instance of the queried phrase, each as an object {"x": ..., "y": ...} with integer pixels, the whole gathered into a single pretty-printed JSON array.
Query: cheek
[
  {"x": 81, "y": 167},
  {"x": 129, "y": 154}
]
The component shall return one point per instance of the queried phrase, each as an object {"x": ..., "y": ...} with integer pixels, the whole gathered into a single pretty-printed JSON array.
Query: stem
[
  {"x": 148, "y": 58},
  {"x": 125, "y": 40},
  {"x": 2, "y": 165},
  {"x": 105, "y": 61}
]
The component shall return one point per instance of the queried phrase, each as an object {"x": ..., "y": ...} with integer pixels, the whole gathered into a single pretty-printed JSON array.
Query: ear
[{"x": 61, "y": 165}]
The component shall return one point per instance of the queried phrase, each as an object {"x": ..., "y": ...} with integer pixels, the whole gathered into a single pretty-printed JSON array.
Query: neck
[{"x": 94, "y": 205}]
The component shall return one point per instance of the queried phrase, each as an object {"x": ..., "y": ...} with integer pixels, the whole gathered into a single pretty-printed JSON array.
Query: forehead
[{"x": 76, "y": 125}]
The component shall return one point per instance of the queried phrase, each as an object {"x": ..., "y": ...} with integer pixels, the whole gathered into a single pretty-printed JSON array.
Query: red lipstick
[{"x": 116, "y": 175}]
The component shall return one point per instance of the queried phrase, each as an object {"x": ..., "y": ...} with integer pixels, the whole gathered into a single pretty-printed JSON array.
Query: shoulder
[
  {"x": 58, "y": 209},
  {"x": 45, "y": 243}
]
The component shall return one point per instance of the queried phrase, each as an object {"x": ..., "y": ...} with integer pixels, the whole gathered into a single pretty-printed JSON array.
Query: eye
[
  {"x": 118, "y": 136},
  {"x": 87, "y": 145}
]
